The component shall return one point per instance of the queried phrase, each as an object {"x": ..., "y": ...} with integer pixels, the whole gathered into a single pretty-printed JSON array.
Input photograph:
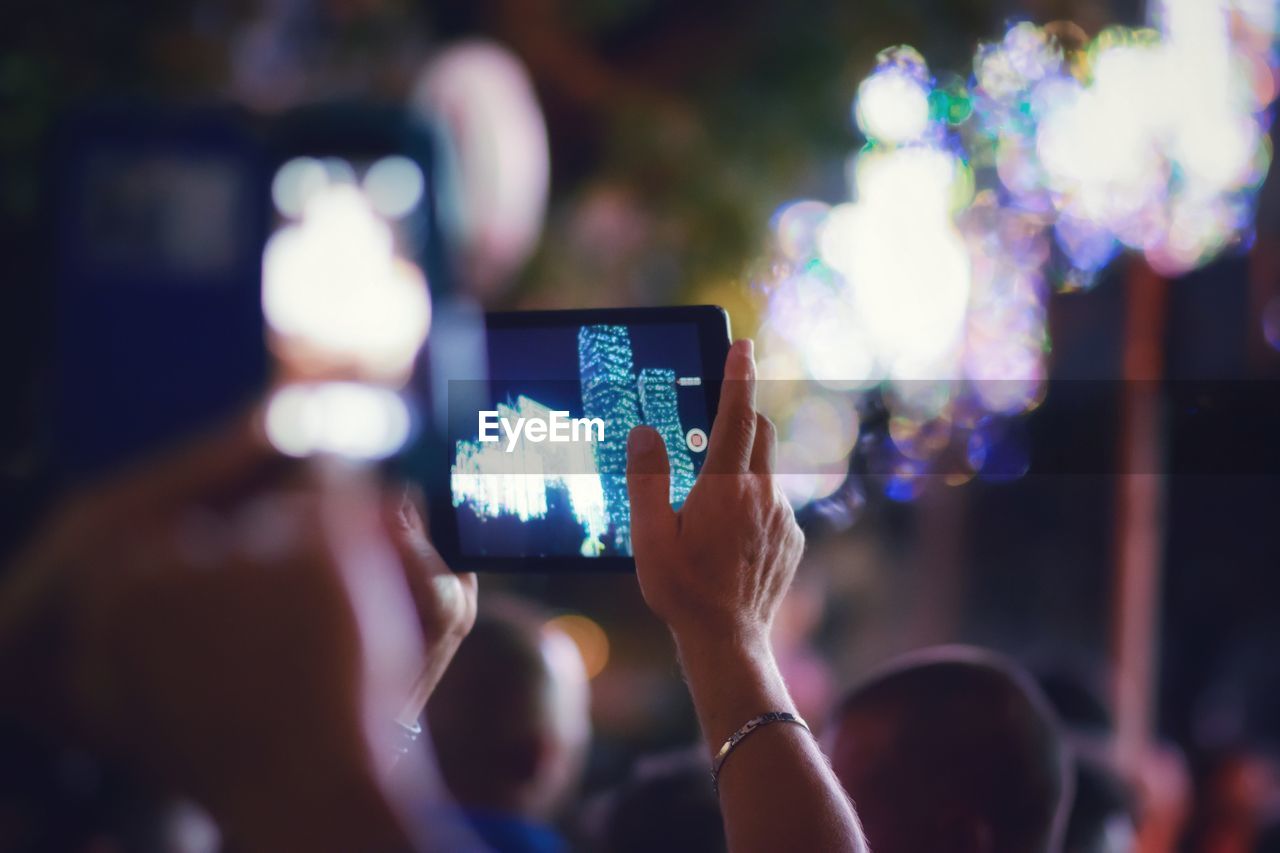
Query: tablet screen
[{"x": 539, "y": 455}]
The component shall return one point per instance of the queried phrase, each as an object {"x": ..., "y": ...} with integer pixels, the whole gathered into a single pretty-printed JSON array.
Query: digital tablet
[{"x": 537, "y": 448}]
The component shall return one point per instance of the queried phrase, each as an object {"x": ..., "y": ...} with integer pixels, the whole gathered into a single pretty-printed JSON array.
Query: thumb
[{"x": 648, "y": 485}]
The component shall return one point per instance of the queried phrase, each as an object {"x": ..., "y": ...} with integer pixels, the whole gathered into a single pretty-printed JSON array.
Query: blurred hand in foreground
[
  {"x": 238, "y": 635},
  {"x": 716, "y": 571}
]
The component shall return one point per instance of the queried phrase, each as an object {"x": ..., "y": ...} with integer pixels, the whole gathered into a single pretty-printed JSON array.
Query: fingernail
[
  {"x": 749, "y": 348},
  {"x": 641, "y": 440}
]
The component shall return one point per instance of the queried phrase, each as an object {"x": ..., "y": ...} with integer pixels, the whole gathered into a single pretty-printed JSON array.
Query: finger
[
  {"x": 400, "y": 506},
  {"x": 470, "y": 584},
  {"x": 732, "y": 434},
  {"x": 370, "y": 569},
  {"x": 415, "y": 508},
  {"x": 764, "y": 449},
  {"x": 406, "y": 523},
  {"x": 424, "y": 564},
  {"x": 431, "y": 580},
  {"x": 648, "y": 484}
]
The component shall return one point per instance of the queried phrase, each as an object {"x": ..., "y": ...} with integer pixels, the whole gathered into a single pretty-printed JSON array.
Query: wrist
[
  {"x": 732, "y": 678},
  {"x": 730, "y": 643}
]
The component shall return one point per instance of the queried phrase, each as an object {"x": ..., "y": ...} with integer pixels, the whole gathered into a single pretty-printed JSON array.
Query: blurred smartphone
[
  {"x": 537, "y": 446},
  {"x": 160, "y": 219},
  {"x": 390, "y": 151}
]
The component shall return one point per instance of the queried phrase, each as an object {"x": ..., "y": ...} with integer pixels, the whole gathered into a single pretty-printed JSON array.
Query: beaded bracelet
[{"x": 741, "y": 734}]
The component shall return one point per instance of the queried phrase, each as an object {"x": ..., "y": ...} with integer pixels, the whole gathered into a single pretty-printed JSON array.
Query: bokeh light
[
  {"x": 295, "y": 182},
  {"x": 879, "y": 298},
  {"x": 1152, "y": 138},
  {"x": 347, "y": 419},
  {"x": 335, "y": 293},
  {"x": 925, "y": 293},
  {"x": 482, "y": 94},
  {"x": 818, "y": 435},
  {"x": 893, "y": 103},
  {"x": 394, "y": 186},
  {"x": 347, "y": 313},
  {"x": 588, "y": 636}
]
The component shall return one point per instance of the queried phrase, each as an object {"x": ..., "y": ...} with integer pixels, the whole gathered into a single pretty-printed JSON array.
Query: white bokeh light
[
  {"x": 976, "y": 198},
  {"x": 893, "y": 106},
  {"x": 346, "y": 419},
  {"x": 394, "y": 186},
  {"x": 333, "y": 287},
  {"x": 295, "y": 182},
  {"x": 906, "y": 266}
]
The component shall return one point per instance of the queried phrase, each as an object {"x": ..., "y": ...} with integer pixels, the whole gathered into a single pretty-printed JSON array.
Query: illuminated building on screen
[
  {"x": 528, "y": 479},
  {"x": 658, "y": 405},
  {"x": 494, "y": 481},
  {"x": 606, "y": 370}
]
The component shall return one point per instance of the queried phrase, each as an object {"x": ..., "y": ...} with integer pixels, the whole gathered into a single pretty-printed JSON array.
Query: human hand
[
  {"x": 44, "y": 584},
  {"x": 716, "y": 571},
  {"x": 445, "y": 601},
  {"x": 720, "y": 565},
  {"x": 231, "y": 641}
]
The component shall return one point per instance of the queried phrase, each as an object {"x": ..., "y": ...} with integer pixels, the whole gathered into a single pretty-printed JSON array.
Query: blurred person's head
[
  {"x": 510, "y": 718},
  {"x": 667, "y": 805},
  {"x": 952, "y": 750},
  {"x": 1075, "y": 698}
]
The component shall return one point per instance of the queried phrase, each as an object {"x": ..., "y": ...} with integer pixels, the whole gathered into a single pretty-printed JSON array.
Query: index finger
[
  {"x": 734, "y": 430},
  {"x": 408, "y": 522}
]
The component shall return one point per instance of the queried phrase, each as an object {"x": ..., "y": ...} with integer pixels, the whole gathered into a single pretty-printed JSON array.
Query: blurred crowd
[{"x": 228, "y": 649}]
